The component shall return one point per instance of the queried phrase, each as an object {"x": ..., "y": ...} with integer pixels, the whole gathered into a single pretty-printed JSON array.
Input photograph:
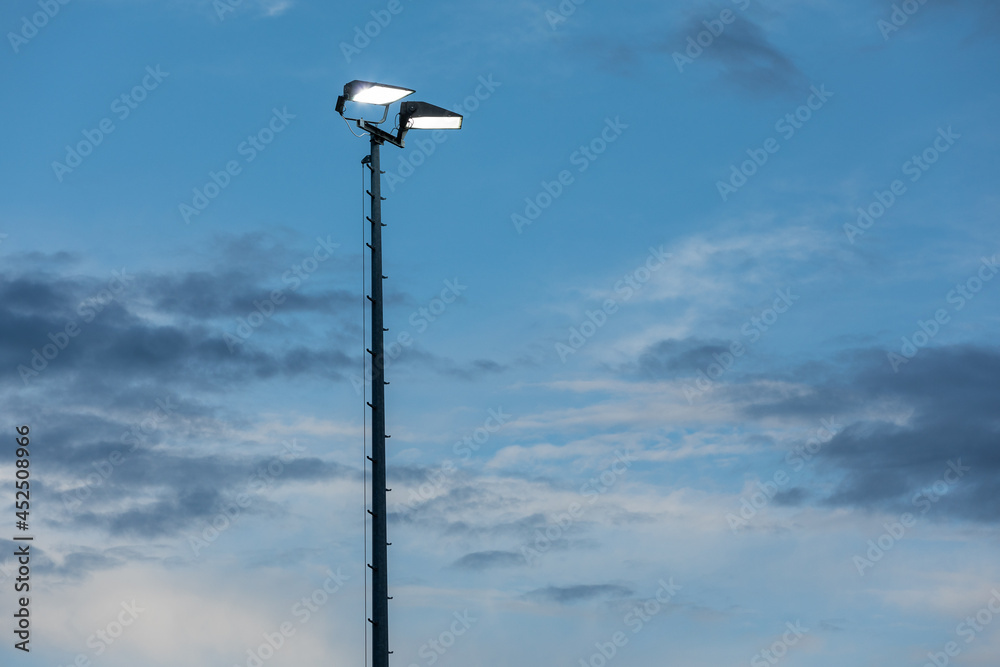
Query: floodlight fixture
[
  {"x": 368, "y": 92},
  {"x": 424, "y": 116}
]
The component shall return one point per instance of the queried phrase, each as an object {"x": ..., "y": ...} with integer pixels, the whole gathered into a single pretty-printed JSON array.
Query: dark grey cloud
[
  {"x": 793, "y": 496},
  {"x": 951, "y": 399},
  {"x": 578, "y": 593},
  {"x": 673, "y": 358},
  {"x": 741, "y": 56},
  {"x": 204, "y": 295},
  {"x": 172, "y": 327},
  {"x": 76, "y": 563},
  {"x": 121, "y": 344},
  {"x": 833, "y": 624},
  {"x": 435, "y": 514},
  {"x": 474, "y": 369},
  {"x": 468, "y": 371},
  {"x": 484, "y": 560},
  {"x": 748, "y": 60},
  {"x": 36, "y": 296},
  {"x": 155, "y": 491},
  {"x": 163, "y": 517}
]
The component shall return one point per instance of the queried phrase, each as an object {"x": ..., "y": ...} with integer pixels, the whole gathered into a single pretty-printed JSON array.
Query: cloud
[
  {"x": 742, "y": 55},
  {"x": 944, "y": 413},
  {"x": 794, "y": 496},
  {"x": 265, "y": 8},
  {"x": 579, "y": 593},
  {"x": 673, "y": 358},
  {"x": 155, "y": 490},
  {"x": 124, "y": 454},
  {"x": 275, "y": 8},
  {"x": 178, "y": 327},
  {"x": 748, "y": 60},
  {"x": 206, "y": 295},
  {"x": 484, "y": 560},
  {"x": 467, "y": 371},
  {"x": 833, "y": 624}
]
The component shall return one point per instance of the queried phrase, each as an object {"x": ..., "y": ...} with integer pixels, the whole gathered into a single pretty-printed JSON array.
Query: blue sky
[{"x": 690, "y": 405}]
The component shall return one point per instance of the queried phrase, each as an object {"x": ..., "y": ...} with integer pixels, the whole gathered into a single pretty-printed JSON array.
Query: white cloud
[{"x": 274, "y": 8}]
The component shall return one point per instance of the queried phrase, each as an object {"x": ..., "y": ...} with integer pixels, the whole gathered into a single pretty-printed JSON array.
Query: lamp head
[
  {"x": 424, "y": 116},
  {"x": 368, "y": 92}
]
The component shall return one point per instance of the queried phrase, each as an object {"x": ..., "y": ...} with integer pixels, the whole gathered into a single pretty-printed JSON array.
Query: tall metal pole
[{"x": 379, "y": 564}]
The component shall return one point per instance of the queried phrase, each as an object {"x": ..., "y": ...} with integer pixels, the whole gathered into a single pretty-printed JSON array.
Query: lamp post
[{"x": 412, "y": 115}]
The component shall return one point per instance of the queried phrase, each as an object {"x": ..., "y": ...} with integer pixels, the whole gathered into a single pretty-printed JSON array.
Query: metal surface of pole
[{"x": 380, "y": 580}]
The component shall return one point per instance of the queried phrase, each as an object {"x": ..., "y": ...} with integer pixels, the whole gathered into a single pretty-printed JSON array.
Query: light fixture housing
[
  {"x": 368, "y": 92},
  {"x": 412, "y": 115},
  {"x": 424, "y": 116}
]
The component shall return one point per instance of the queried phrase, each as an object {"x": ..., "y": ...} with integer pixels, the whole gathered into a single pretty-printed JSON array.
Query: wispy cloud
[{"x": 275, "y": 8}]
